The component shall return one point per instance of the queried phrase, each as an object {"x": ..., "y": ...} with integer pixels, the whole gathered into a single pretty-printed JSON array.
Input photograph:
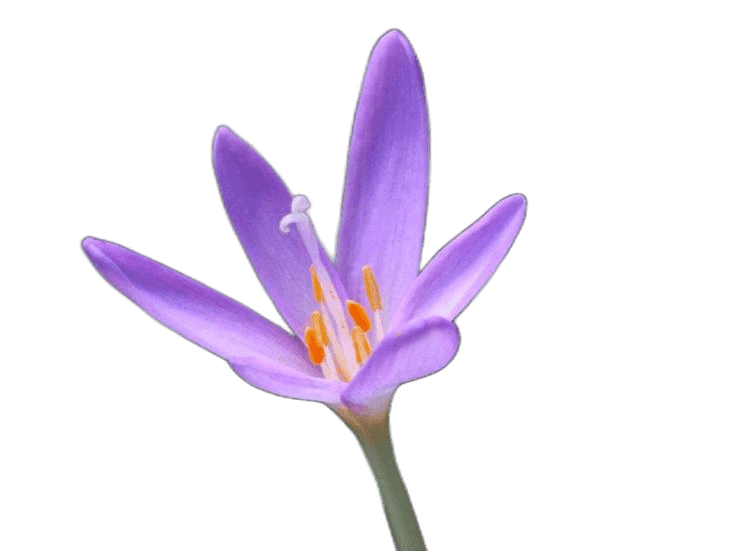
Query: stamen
[
  {"x": 362, "y": 348},
  {"x": 371, "y": 288},
  {"x": 316, "y": 321},
  {"x": 323, "y": 287},
  {"x": 321, "y": 337},
  {"x": 317, "y": 289},
  {"x": 342, "y": 360},
  {"x": 336, "y": 361},
  {"x": 332, "y": 309},
  {"x": 359, "y": 315},
  {"x": 373, "y": 295},
  {"x": 315, "y": 350}
]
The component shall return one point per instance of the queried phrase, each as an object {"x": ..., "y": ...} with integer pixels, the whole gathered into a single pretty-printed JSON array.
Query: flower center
[{"x": 332, "y": 345}]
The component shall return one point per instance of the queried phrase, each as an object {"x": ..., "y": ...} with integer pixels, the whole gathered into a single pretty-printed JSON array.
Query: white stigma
[
  {"x": 300, "y": 203},
  {"x": 297, "y": 214},
  {"x": 298, "y": 217}
]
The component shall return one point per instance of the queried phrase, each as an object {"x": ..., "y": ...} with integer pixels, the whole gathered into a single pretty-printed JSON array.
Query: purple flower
[{"x": 366, "y": 322}]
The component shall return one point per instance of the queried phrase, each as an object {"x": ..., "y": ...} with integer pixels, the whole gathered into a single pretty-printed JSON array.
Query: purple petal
[
  {"x": 462, "y": 267},
  {"x": 287, "y": 382},
  {"x": 256, "y": 199},
  {"x": 416, "y": 350},
  {"x": 202, "y": 315},
  {"x": 385, "y": 197}
]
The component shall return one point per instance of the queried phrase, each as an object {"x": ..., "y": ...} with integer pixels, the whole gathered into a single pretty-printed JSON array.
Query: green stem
[{"x": 375, "y": 438}]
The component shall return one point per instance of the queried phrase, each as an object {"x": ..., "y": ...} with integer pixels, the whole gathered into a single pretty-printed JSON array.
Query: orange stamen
[
  {"x": 317, "y": 289},
  {"x": 362, "y": 348},
  {"x": 371, "y": 289},
  {"x": 316, "y": 321},
  {"x": 315, "y": 350},
  {"x": 359, "y": 315}
]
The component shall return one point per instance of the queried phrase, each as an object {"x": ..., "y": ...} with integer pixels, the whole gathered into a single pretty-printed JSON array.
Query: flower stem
[{"x": 375, "y": 438}]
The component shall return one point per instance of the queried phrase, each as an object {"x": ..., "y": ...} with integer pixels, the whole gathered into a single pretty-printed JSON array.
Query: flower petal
[
  {"x": 462, "y": 267},
  {"x": 202, "y": 315},
  {"x": 385, "y": 196},
  {"x": 287, "y": 382},
  {"x": 416, "y": 350},
  {"x": 256, "y": 199}
]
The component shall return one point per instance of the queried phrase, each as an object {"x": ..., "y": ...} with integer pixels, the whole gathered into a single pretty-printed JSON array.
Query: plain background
[{"x": 597, "y": 398}]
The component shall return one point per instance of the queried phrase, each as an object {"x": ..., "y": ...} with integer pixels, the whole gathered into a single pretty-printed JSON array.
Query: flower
[{"x": 366, "y": 322}]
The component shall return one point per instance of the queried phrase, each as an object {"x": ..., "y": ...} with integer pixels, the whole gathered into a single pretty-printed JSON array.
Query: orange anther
[
  {"x": 316, "y": 321},
  {"x": 371, "y": 288},
  {"x": 359, "y": 315},
  {"x": 317, "y": 289},
  {"x": 315, "y": 350},
  {"x": 362, "y": 348}
]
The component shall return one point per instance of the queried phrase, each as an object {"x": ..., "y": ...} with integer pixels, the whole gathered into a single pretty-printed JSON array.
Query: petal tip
[
  {"x": 517, "y": 203},
  {"x": 223, "y": 140},
  {"x": 92, "y": 247},
  {"x": 393, "y": 44},
  {"x": 223, "y": 130},
  {"x": 88, "y": 242},
  {"x": 513, "y": 206},
  {"x": 395, "y": 34}
]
